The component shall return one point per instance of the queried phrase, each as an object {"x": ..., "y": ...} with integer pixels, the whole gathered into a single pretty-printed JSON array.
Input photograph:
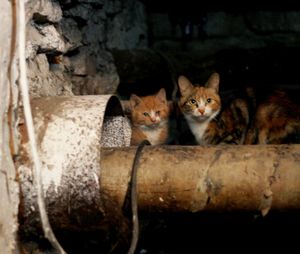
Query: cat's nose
[
  {"x": 201, "y": 111},
  {"x": 153, "y": 120}
]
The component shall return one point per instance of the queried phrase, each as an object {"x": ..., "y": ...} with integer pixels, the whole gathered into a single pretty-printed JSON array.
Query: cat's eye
[
  {"x": 145, "y": 114},
  {"x": 157, "y": 112},
  {"x": 193, "y": 101},
  {"x": 208, "y": 100}
]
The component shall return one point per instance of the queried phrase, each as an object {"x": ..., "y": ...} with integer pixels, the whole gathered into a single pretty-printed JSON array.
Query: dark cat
[{"x": 276, "y": 120}]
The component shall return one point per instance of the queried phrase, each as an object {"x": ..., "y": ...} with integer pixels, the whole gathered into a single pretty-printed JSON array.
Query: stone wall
[
  {"x": 76, "y": 47},
  {"x": 69, "y": 43}
]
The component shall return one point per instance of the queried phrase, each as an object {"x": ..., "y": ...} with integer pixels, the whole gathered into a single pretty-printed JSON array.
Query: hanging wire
[
  {"x": 133, "y": 194},
  {"x": 30, "y": 129}
]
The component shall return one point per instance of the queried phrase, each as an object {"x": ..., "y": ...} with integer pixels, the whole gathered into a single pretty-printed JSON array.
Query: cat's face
[
  {"x": 200, "y": 103},
  {"x": 149, "y": 111}
]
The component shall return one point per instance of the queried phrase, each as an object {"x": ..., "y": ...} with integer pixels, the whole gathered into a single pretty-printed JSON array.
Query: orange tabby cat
[
  {"x": 276, "y": 121},
  {"x": 208, "y": 122},
  {"x": 150, "y": 118}
]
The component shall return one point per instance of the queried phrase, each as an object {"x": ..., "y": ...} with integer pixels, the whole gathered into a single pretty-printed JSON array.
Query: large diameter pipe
[
  {"x": 70, "y": 132},
  {"x": 193, "y": 179}
]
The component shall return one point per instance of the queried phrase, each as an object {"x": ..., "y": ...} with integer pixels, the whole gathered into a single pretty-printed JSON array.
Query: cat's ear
[
  {"x": 134, "y": 100},
  {"x": 213, "y": 82},
  {"x": 161, "y": 95},
  {"x": 185, "y": 86}
]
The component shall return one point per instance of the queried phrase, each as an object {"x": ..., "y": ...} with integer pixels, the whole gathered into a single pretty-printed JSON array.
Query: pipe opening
[{"x": 116, "y": 131}]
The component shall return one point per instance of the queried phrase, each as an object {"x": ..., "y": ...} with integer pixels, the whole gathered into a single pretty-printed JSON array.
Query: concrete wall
[{"x": 9, "y": 198}]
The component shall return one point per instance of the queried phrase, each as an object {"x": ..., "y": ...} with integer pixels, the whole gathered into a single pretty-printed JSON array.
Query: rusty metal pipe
[
  {"x": 219, "y": 178},
  {"x": 70, "y": 132}
]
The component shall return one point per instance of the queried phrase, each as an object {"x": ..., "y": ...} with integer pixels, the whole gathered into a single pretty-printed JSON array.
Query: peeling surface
[
  {"x": 207, "y": 185},
  {"x": 267, "y": 198},
  {"x": 69, "y": 131}
]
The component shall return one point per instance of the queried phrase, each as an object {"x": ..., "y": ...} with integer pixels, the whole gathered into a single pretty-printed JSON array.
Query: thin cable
[
  {"x": 133, "y": 193},
  {"x": 30, "y": 129}
]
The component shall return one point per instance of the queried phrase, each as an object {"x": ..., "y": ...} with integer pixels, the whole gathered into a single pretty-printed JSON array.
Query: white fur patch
[
  {"x": 199, "y": 128},
  {"x": 153, "y": 135}
]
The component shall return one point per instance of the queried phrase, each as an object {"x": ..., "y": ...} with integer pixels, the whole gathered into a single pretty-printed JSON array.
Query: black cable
[{"x": 133, "y": 197}]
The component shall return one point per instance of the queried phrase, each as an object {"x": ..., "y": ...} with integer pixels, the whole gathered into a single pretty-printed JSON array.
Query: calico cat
[
  {"x": 150, "y": 118},
  {"x": 276, "y": 120},
  {"x": 209, "y": 123}
]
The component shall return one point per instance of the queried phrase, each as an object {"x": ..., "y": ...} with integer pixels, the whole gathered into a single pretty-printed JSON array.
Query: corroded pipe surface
[
  {"x": 70, "y": 132},
  {"x": 219, "y": 178}
]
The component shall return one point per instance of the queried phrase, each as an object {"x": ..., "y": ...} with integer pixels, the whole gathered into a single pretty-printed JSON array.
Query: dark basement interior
[{"x": 247, "y": 45}]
